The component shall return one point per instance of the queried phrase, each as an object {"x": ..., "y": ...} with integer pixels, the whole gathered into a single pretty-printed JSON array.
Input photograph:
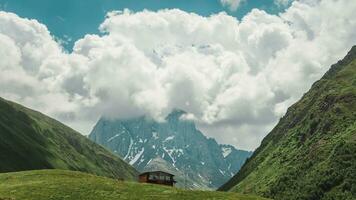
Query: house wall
[
  {"x": 161, "y": 182},
  {"x": 148, "y": 178},
  {"x": 143, "y": 178}
]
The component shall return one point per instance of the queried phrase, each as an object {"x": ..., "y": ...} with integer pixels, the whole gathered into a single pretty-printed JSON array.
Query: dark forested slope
[{"x": 30, "y": 140}]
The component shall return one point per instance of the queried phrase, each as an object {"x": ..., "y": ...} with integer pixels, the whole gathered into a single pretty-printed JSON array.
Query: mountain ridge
[
  {"x": 30, "y": 140},
  {"x": 199, "y": 161}
]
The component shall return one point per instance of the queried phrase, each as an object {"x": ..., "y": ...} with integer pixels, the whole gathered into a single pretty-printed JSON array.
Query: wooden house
[{"x": 157, "y": 177}]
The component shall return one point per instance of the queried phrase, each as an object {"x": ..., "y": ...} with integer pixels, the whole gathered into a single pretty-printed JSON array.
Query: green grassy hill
[
  {"x": 69, "y": 185},
  {"x": 30, "y": 140},
  {"x": 311, "y": 153}
]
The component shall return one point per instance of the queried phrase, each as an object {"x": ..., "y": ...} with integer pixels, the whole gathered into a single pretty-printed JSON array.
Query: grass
[{"x": 70, "y": 185}]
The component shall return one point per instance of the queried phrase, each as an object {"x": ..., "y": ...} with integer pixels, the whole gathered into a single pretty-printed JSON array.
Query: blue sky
[{"x": 75, "y": 18}]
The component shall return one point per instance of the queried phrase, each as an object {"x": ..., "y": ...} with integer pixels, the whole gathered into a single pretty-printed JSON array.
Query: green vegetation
[
  {"x": 30, "y": 140},
  {"x": 311, "y": 153},
  {"x": 69, "y": 185}
]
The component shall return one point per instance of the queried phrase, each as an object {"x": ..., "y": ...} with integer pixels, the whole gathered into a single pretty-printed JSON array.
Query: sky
[
  {"x": 234, "y": 65},
  {"x": 60, "y": 16}
]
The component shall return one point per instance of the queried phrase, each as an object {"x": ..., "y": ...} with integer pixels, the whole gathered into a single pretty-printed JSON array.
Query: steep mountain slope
[
  {"x": 311, "y": 153},
  {"x": 69, "y": 185},
  {"x": 30, "y": 140},
  {"x": 199, "y": 162}
]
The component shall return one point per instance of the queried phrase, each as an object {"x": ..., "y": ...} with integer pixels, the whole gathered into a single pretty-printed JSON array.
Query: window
[
  {"x": 162, "y": 177},
  {"x": 168, "y": 178},
  {"x": 152, "y": 177}
]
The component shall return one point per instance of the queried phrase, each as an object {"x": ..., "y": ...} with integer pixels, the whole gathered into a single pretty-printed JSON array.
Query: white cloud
[
  {"x": 233, "y": 5},
  {"x": 282, "y": 3},
  {"x": 234, "y": 78}
]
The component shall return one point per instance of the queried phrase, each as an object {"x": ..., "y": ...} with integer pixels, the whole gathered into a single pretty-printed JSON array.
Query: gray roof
[{"x": 158, "y": 171}]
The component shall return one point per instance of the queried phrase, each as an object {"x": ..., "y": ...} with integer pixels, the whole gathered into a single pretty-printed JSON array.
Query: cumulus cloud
[
  {"x": 234, "y": 78},
  {"x": 282, "y": 3},
  {"x": 233, "y": 5}
]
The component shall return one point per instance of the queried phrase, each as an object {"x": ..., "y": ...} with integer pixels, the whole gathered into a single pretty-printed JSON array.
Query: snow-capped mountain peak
[{"x": 175, "y": 144}]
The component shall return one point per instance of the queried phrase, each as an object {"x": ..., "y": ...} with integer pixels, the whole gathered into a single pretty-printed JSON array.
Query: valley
[
  {"x": 59, "y": 184},
  {"x": 178, "y": 100}
]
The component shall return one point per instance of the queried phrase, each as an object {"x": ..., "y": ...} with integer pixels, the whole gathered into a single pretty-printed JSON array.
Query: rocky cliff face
[{"x": 176, "y": 144}]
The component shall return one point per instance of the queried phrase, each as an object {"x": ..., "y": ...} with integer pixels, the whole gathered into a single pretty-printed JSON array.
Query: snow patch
[
  {"x": 134, "y": 160},
  {"x": 129, "y": 150},
  {"x": 200, "y": 176},
  {"x": 226, "y": 151},
  {"x": 169, "y": 152},
  {"x": 155, "y": 135},
  {"x": 223, "y": 173},
  {"x": 142, "y": 159},
  {"x": 169, "y": 138},
  {"x": 113, "y": 137},
  {"x": 172, "y": 152}
]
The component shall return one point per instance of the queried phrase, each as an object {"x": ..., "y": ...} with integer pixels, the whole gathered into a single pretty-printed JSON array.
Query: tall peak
[{"x": 175, "y": 114}]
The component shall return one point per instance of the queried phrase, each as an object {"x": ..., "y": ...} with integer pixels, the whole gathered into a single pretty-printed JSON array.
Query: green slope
[
  {"x": 311, "y": 153},
  {"x": 30, "y": 140},
  {"x": 69, "y": 185}
]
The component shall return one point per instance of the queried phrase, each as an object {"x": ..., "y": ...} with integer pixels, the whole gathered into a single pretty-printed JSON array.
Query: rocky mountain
[
  {"x": 311, "y": 153},
  {"x": 175, "y": 145},
  {"x": 30, "y": 140}
]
